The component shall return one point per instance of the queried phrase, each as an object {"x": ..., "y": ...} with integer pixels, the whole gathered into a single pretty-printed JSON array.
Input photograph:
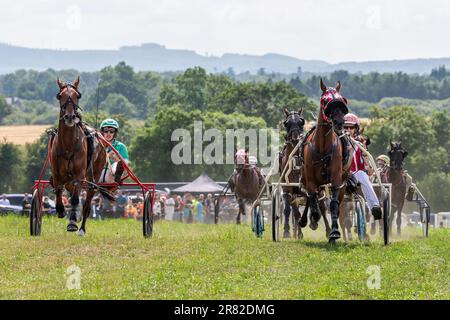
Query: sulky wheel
[
  {"x": 258, "y": 223},
  {"x": 386, "y": 213},
  {"x": 36, "y": 214},
  {"x": 360, "y": 220},
  {"x": 425, "y": 217},
  {"x": 276, "y": 215},
  {"x": 147, "y": 220}
]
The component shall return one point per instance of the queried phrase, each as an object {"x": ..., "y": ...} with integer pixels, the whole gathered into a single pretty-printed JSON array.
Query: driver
[
  {"x": 112, "y": 172},
  {"x": 357, "y": 170}
]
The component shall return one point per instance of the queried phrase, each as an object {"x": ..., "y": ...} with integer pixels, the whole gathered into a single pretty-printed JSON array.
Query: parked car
[{"x": 15, "y": 203}]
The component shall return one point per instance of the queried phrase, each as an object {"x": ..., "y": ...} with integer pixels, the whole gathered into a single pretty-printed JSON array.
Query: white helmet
[{"x": 252, "y": 160}]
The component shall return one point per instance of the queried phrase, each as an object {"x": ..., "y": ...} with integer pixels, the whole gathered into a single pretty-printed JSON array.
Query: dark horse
[
  {"x": 75, "y": 154},
  {"x": 395, "y": 175},
  {"x": 323, "y": 158},
  {"x": 294, "y": 124},
  {"x": 246, "y": 183}
]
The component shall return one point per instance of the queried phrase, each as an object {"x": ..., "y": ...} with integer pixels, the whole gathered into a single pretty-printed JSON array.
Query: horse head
[
  {"x": 397, "y": 155},
  {"x": 68, "y": 97},
  {"x": 294, "y": 124},
  {"x": 333, "y": 105},
  {"x": 241, "y": 159}
]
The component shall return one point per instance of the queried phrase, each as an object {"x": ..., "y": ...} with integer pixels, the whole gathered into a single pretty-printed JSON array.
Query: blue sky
[{"x": 330, "y": 30}]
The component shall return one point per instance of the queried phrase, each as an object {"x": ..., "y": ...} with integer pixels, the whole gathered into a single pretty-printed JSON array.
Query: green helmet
[
  {"x": 384, "y": 158},
  {"x": 109, "y": 123}
]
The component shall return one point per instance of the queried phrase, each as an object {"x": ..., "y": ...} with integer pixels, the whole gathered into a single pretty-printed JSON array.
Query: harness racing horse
[
  {"x": 246, "y": 183},
  {"x": 74, "y": 156},
  {"x": 323, "y": 158},
  {"x": 294, "y": 124},
  {"x": 395, "y": 175}
]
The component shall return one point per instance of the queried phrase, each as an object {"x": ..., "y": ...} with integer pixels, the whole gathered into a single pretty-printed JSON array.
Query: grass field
[
  {"x": 214, "y": 262},
  {"x": 22, "y": 134}
]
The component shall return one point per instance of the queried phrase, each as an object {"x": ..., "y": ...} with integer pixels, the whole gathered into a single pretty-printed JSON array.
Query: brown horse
[
  {"x": 293, "y": 124},
  {"x": 323, "y": 157},
  {"x": 395, "y": 175},
  {"x": 73, "y": 158},
  {"x": 246, "y": 183}
]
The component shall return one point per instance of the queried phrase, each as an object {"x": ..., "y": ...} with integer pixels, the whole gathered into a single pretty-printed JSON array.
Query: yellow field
[{"x": 22, "y": 134}]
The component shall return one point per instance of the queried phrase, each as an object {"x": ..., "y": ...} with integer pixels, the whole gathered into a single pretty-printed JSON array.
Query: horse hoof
[
  {"x": 72, "y": 227},
  {"x": 303, "y": 224},
  {"x": 334, "y": 235},
  {"x": 286, "y": 235},
  {"x": 332, "y": 241},
  {"x": 300, "y": 236},
  {"x": 313, "y": 225},
  {"x": 81, "y": 233},
  {"x": 372, "y": 230},
  {"x": 61, "y": 214}
]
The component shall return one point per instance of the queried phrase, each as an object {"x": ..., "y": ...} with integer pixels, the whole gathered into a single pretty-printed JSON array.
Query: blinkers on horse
[
  {"x": 397, "y": 155},
  {"x": 69, "y": 115},
  {"x": 294, "y": 125}
]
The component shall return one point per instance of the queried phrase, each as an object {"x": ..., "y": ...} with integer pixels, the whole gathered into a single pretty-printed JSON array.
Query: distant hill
[{"x": 156, "y": 57}]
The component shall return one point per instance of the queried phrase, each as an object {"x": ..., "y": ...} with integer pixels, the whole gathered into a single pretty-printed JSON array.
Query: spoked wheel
[
  {"x": 147, "y": 220},
  {"x": 276, "y": 215},
  {"x": 425, "y": 217},
  {"x": 36, "y": 214},
  {"x": 360, "y": 220},
  {"x": 258, "y": 221},
  {"x": 386, "y": 213}
]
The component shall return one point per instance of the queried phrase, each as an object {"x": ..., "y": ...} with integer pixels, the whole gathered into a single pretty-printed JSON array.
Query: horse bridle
[
  {"x": 296, "y": 125},
  {"x": 69, "y": 99}
]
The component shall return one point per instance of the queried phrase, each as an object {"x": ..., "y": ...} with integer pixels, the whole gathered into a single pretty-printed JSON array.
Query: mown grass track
[{"x": 214, "y": 262}]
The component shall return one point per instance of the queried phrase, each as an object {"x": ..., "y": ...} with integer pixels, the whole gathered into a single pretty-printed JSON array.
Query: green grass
[{"x": 214, "y": 262}]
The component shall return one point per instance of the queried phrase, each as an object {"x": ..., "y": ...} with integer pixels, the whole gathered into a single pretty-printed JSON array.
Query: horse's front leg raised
[{"x": 315, "y": 211}]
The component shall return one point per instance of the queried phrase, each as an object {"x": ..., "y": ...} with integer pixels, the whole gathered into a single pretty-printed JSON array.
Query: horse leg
[
  {"x": 296, "y": 225},
  {"x": 334, "y": 208},
  {"x": 399, "y": 219},
  {"x": 86, "y": 211},
  {"x": 287, "y": 213},
  {"x": 315, "y": 211},
  {"x": 74, "y": 201},
  {"x": 241, "y": 210},
  {"x": 323, "y": 210},
  {"x": 304, "y": 218},
  {"x": 342, "y": 219},
  {"x": 59, "y": 205}
]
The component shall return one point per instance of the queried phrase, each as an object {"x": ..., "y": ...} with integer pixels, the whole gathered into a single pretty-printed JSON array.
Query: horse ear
[
  {"x": 361, "y": 131},
  {"x": 59, "y": 83},
  {"x": 76, "y": 82},
  {"x": 286, "y": 111},
  {"x": 338, "y": 86},
  {"x": 246, "y": 149},
  {"x": 300, "y": 111},
  {"x": 323, "y": 87},
  {"x": 391, "y": 144}
]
